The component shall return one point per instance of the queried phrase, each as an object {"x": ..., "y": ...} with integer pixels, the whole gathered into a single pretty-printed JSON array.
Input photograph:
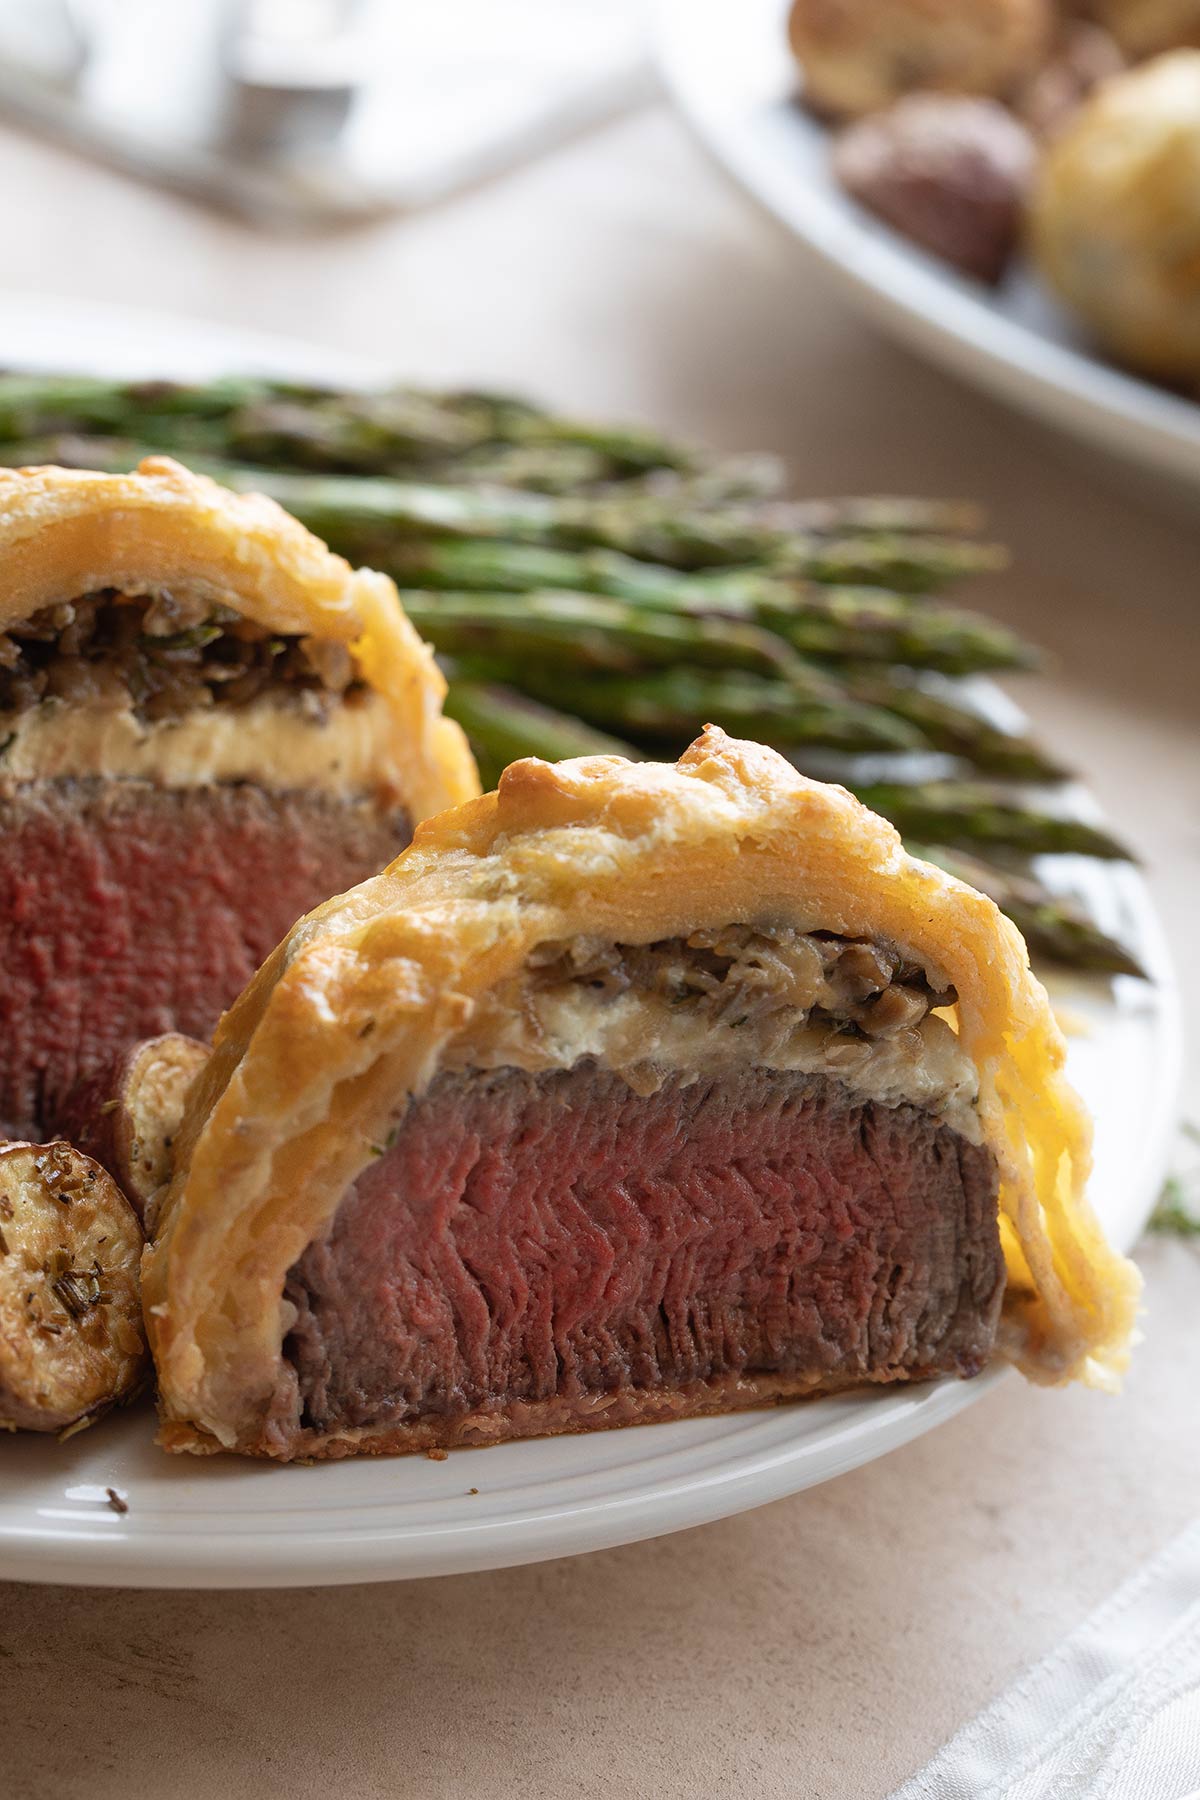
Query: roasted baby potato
[
  {"x": 860, "y": 55},
  {"x": 949, "y": 173},
  {"x": 71, "y": 1336},
  {"x": 1115, "y": 216},
  {"x": 127, "y": 1116}
]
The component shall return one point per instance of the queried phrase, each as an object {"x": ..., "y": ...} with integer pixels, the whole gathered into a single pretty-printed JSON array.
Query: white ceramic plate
[
  {"x": 222, "y": 1522},
  {"x": 727, "y": 64}
]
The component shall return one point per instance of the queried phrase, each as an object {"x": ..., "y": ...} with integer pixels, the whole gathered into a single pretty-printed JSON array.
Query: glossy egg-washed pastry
[
  {"x": 208, "y": 724},
  {"x": 627, "y": 1092}
]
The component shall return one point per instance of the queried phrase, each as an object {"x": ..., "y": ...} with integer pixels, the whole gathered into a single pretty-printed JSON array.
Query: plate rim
[
  {"x": 944, "y": 316},
  {"x": 109, "y": 1553}
]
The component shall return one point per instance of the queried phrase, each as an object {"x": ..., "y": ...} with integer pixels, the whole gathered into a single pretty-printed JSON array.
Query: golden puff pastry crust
[
  {"x": 370, "y": 994},
  {"x": 67, "y": 532}
]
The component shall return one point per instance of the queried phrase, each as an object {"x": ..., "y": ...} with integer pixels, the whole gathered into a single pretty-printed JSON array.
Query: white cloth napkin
[{"x": 1112, "y": 1714}]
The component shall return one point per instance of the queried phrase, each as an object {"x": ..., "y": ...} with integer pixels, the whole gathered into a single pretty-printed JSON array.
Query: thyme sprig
[{"x": 1178, "y": 1211}]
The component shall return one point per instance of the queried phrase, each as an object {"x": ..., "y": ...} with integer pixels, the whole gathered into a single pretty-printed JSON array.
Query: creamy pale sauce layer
[
  {"x": 647, "y": 1039},
  {"x": 272, "y": 740}
]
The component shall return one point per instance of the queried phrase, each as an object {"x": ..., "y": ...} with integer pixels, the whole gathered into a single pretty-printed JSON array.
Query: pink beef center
[
  {"x": 127, "y": 909},
  {"x": 529, "y": 1238}
]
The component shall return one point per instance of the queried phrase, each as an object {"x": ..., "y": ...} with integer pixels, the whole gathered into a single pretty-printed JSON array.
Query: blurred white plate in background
[
  {"x": 727, "y": 64},
  {"x": 226, "y": 1522}
]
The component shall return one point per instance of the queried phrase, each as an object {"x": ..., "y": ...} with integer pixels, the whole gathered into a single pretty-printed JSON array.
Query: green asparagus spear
[
  {"x": 356, "y": 514},
  {"x": 39, "y": 405},
  {"x": 282, "y": 422},
  {"x": 383, "y": 429},
  {"x": 491, "y": 565},
  {"x": 861, "y": 622},
  {"x": 880, "y": 512},
  {"x": 953, "y": 728},
  {"x": 664, "y": 709},
  {"x": 747, "y": 476},
  {"x": 553, "y": 468},
  {"x": 504, "y": 725},
  {"x": 872, "y": 624},
  {"x": 577, "y": 469},
  {"x": 629, "y": 447},
  {"x": 393, "y": 429},
  {"x": 955, "y": 813},
  {"x": 365, "y": 516},
  {"x": 540, "y": 468},
  {"x": 389, "y": 433},
  {"x": 365, "y": 433},
  {"x": 906, "y": 562},
  {"x": 1055, "y": 927},
  {"x": 76, "y": 450},
  {"x": 581, "y": 631},
  {"x": 669, "y": 707},
  {"x": 398, "y": 418}
]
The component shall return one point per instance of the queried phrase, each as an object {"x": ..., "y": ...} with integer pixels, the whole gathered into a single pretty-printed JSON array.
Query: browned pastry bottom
[{"x": 482, "y": 1429}]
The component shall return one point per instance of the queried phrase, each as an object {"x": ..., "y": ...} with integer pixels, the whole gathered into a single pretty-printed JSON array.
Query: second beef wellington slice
[
  {"x": 208, "y": 724},
  {"x": 628, "y": 1092}
]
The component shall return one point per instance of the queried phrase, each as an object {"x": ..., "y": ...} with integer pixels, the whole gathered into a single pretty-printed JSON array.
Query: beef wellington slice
[
  {"x": 626, "y": 1093},
  {"x": 208, "y": 724}
]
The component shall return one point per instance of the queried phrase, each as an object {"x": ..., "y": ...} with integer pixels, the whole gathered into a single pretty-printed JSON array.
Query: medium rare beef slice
[
  {"x": 128, "y": 909},
  {"x": 550, "y": 1238}
]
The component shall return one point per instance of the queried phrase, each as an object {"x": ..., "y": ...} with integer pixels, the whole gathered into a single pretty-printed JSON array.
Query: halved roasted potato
[
  {"x": 127, "y": 1116},
  {"x": 71, "y": 1335}
]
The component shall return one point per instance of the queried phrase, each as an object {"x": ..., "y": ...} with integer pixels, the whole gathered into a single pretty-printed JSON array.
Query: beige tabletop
[{"x": 825, "y": 1645}]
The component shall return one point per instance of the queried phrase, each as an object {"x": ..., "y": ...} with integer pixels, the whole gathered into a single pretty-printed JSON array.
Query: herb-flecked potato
[
  {"x": 71, "y": 1336},
  {"x": 126, "y": 1117}
]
